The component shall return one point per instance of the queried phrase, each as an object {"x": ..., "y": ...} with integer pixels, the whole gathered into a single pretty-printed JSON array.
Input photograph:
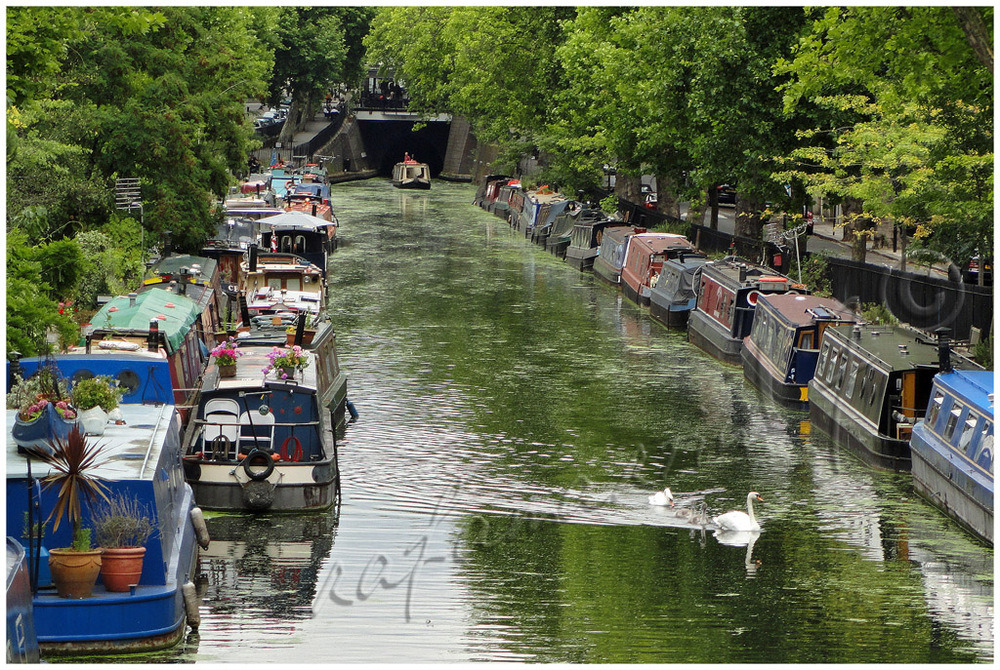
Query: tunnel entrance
[{"x": 386, "y": 141}]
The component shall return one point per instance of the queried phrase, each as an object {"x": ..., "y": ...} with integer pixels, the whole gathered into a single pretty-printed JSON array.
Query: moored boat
[
  {"x": 872, "y": 384},
  {"x": 727, "y": 295},
  {"x": 140, "y": 458},
  {"x": 611, "y": 255},
  {"x": 411, "y": 175},
  {"x": 298, "y": 232},
  {"x": 537, "y": 211},
  {"x": 779, "y": 356},
  {"x": 560, "y": 235},
  {"x": 644, "y": 257},
  {"x": 278, "y": 282},
  {"x": 952, "y": 449},
  {"x": 267, "y": 442},
  {"x": 585, "y": 241},
  {"x": 673, "y": 296}
]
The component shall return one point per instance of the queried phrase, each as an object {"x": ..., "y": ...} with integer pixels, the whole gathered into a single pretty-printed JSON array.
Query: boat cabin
[
  {"x": 672, "y": 295},
  {"x": 727, "y": 298},
  {"x": 644, "y": 260},
  {"x": 282, "y": 282},
  {"x": 952, "y": 449},
  {"x": 779, "y": 356},
  {"x": 611, "y": 256},
  {"x": 411, "y": 175},
  {"x": 585, "y": 241},
  {"x": 872, "y": 384}
]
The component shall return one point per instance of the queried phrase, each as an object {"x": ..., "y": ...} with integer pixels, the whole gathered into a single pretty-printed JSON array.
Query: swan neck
[{"x": 750, "y": 508}]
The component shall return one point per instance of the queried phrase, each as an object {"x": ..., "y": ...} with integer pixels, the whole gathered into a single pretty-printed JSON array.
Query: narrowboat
[
  {"x": 611, "y": 255},
  {"x": 195, "y": 277},
  {"x": 537, "y": 211},
  {"x": 644, "y": 259},
  {"x": 489, "y": 191},
  {"x": 727, "y": 295},
  {"x": 560, "y": 235},
  {"x": 297, "y": 232},
  {"x": 505, "y": 195},
  {"x": 872, "y": 384},
  {"x": 951, "y": 449},
  {"x": 267, "y": 442},
  {"x": 672, "y": 296},
  {"x": 282, "y": 282},
  {"x": 22, "y": 643},
  {"x": 232, "y": 238},
  {"x": 410, "y": 174},
  {"x": 585, "y": 242},
  {"x": 779, "y": 355},
  {"x": 162, "y": 324},
  {"x": 140, "y": 458}
]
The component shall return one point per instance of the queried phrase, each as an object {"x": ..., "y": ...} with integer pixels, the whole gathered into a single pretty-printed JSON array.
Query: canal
[{"x": 515, "y": 415}]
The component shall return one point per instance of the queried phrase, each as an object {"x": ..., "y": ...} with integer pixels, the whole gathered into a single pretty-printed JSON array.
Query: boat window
[
  {"x": 293, "y": 284},
  {"x": 832, "y": 367},
  {"x": 806, "y": 340},
  {"x": 949, "y": 429},
  {"x": 984, "y": 453},
  {"x": 884, "y": 379},
  {"x": 967, "y": 432},
  {"x": 852, "y": 379},
  {"x": 838, "y": 380},
  {"x": 300, "y": 244},
  {"x": 286, "y": 243},
  {"x": 274, "y": 282},
  {"x": 821, "y": 362},
  {"x": 934, "y": 409}
]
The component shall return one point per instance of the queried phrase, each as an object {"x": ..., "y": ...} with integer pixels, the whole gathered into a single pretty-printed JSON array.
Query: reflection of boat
[
  {"x": 22, "y": 643},
  {"x": 410, "y": 174},
  {"x": 644, "y": 260},
  {"x": 266, "y": 442},
  {"x": 952, "y": 449},
  {"x": 266, "y": 565},
  {"x": 140, "y": 458},
  {"x": 727, "y": 296},
  {"x": 872, "y": 383},
  {"x": 779, "y": 356}
]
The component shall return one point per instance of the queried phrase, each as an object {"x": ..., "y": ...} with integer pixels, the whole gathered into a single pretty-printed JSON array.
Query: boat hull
[
  {"x": 605, "y": 271},
  {"x": 709, "y": 336},
  {"x": 671, "y": 318},
  {"x": 417, "y": 184},
  {"x": 940, "y": 476},
  {"x": 639, "y": 296},
  {"x": 219, "y": 496},
  {"x": 581, "y": 259},
  {"x": 844, "y": 426},
  {"x": 794, "y": 396}
]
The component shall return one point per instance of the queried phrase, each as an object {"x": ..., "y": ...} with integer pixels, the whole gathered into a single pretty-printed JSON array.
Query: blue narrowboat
[
  {"x": 141, "y": 458},
  {"x": 779, "y": 355},
  {"x": 952, "y": 449}
]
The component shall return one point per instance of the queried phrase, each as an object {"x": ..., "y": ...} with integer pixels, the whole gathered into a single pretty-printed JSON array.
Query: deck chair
[
  {"x": 222, "y": 429},
  {"x": 262, "y": 427}
]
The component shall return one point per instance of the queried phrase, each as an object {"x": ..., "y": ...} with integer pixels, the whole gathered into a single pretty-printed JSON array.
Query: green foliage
[
  {"x": 609, "y": 205},
  {"x": 878, "y": 314},
  {"x": 46, "y": 382},
  {"x": 815, "y": 271},
  {"x": 31, "y": 312},
  {"x": 101, "y": 391},
  {"x": 122, "y": 522},
  {"x": 81, "y": 539},
  {"x": 982, "y": 352}
]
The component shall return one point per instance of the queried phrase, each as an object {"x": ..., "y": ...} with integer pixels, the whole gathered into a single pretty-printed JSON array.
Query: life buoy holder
[
  {"x": 296, "y": 453},
  {"x": 258, "y": 465},
  {"x": 220, "y": 447},
  {"x": 752, "y": 297}
]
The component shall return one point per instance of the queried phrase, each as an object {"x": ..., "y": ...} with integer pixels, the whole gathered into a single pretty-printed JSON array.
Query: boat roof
[
  {"x": 267, "y": 263},
  {"x": 897, "y": 347},
  {"x": 974, "y": 386},
  {"x": 250, "y": 372},
  {"x": 802, "y": 310},
  {"x": 686, "y": 262},
  {"x": 619, "y": 233},
  {"x": 174, "y": 313},
  {"x": 131, "y": 450},
  {"x": 727, "y": 270},
  {"x": 173, "y": 264},
  {"x": 657, "y": 242}
]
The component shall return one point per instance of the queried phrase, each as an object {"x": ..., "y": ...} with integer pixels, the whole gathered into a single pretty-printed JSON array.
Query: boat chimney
[
  {"x": 89, "y": 339},
  {"x": 856, "y": 332},
  {"x": 944, "y": 349},
  {"x": 244, "y": 311},
  {"x": 300, "y": 326},
  {"x": 168, "y": 242},
  {"x": 131, "y": 299},
  {"x": 252, "y": 252},
  {"x": 743, "y": 273},
  {"x": 153, "y": 338},
  {"x": 314, "y": 209}
]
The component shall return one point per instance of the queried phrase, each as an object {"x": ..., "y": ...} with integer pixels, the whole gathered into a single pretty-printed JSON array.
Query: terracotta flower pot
[
  {"x": 74, "y": 572},
  {"x": 121, "y": 567},
  {"x": 227, "y": 370}
]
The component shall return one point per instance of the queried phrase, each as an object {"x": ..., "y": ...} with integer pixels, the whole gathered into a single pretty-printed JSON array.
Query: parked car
[
  {"x": 727, "y": 194},
  {"x": 970, "y": 275},
  {"x": 650, "y": 201}
]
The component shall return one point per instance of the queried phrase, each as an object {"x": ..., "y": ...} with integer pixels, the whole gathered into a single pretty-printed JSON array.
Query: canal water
[{"x": 515, "y": 415}]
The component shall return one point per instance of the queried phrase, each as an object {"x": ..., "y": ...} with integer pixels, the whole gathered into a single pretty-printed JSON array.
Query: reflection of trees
[
  {"x": 551, "y": 592},
  {"x": 266, "y": 564}
]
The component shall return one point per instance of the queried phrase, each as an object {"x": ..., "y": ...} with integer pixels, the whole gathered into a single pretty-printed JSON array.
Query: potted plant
[
  {"x": 44, "y": 410},
  {"x": 73, "y": 461},
  {"x": 285, "y": 362},
  {"x": 122, "y": 527},
  {"x": 225, "y": 356},
  {"x": 95, "y": 398}
]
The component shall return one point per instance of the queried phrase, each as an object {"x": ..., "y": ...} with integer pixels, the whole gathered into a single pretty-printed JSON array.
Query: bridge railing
[{"x": 372, "y": 102}]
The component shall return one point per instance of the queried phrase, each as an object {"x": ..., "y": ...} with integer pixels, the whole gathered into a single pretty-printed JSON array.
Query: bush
[
  {"x": 878, "y": 314},
  {"x": 815, "y": 274},
  {"x": 982, "y": 352},
  {"x": 122, "y": 522},
  {"x": 98, "y": 391}
]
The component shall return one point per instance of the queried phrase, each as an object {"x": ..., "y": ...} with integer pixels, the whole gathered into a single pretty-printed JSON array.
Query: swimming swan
[
  {"x": 664, "y": 497},
  {"x": 736, "y": 520}
]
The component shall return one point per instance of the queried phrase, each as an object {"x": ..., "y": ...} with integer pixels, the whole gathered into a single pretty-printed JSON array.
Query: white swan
[
  {"x": 737, "y": 520},
  {"x": 664, "y": 497}
]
